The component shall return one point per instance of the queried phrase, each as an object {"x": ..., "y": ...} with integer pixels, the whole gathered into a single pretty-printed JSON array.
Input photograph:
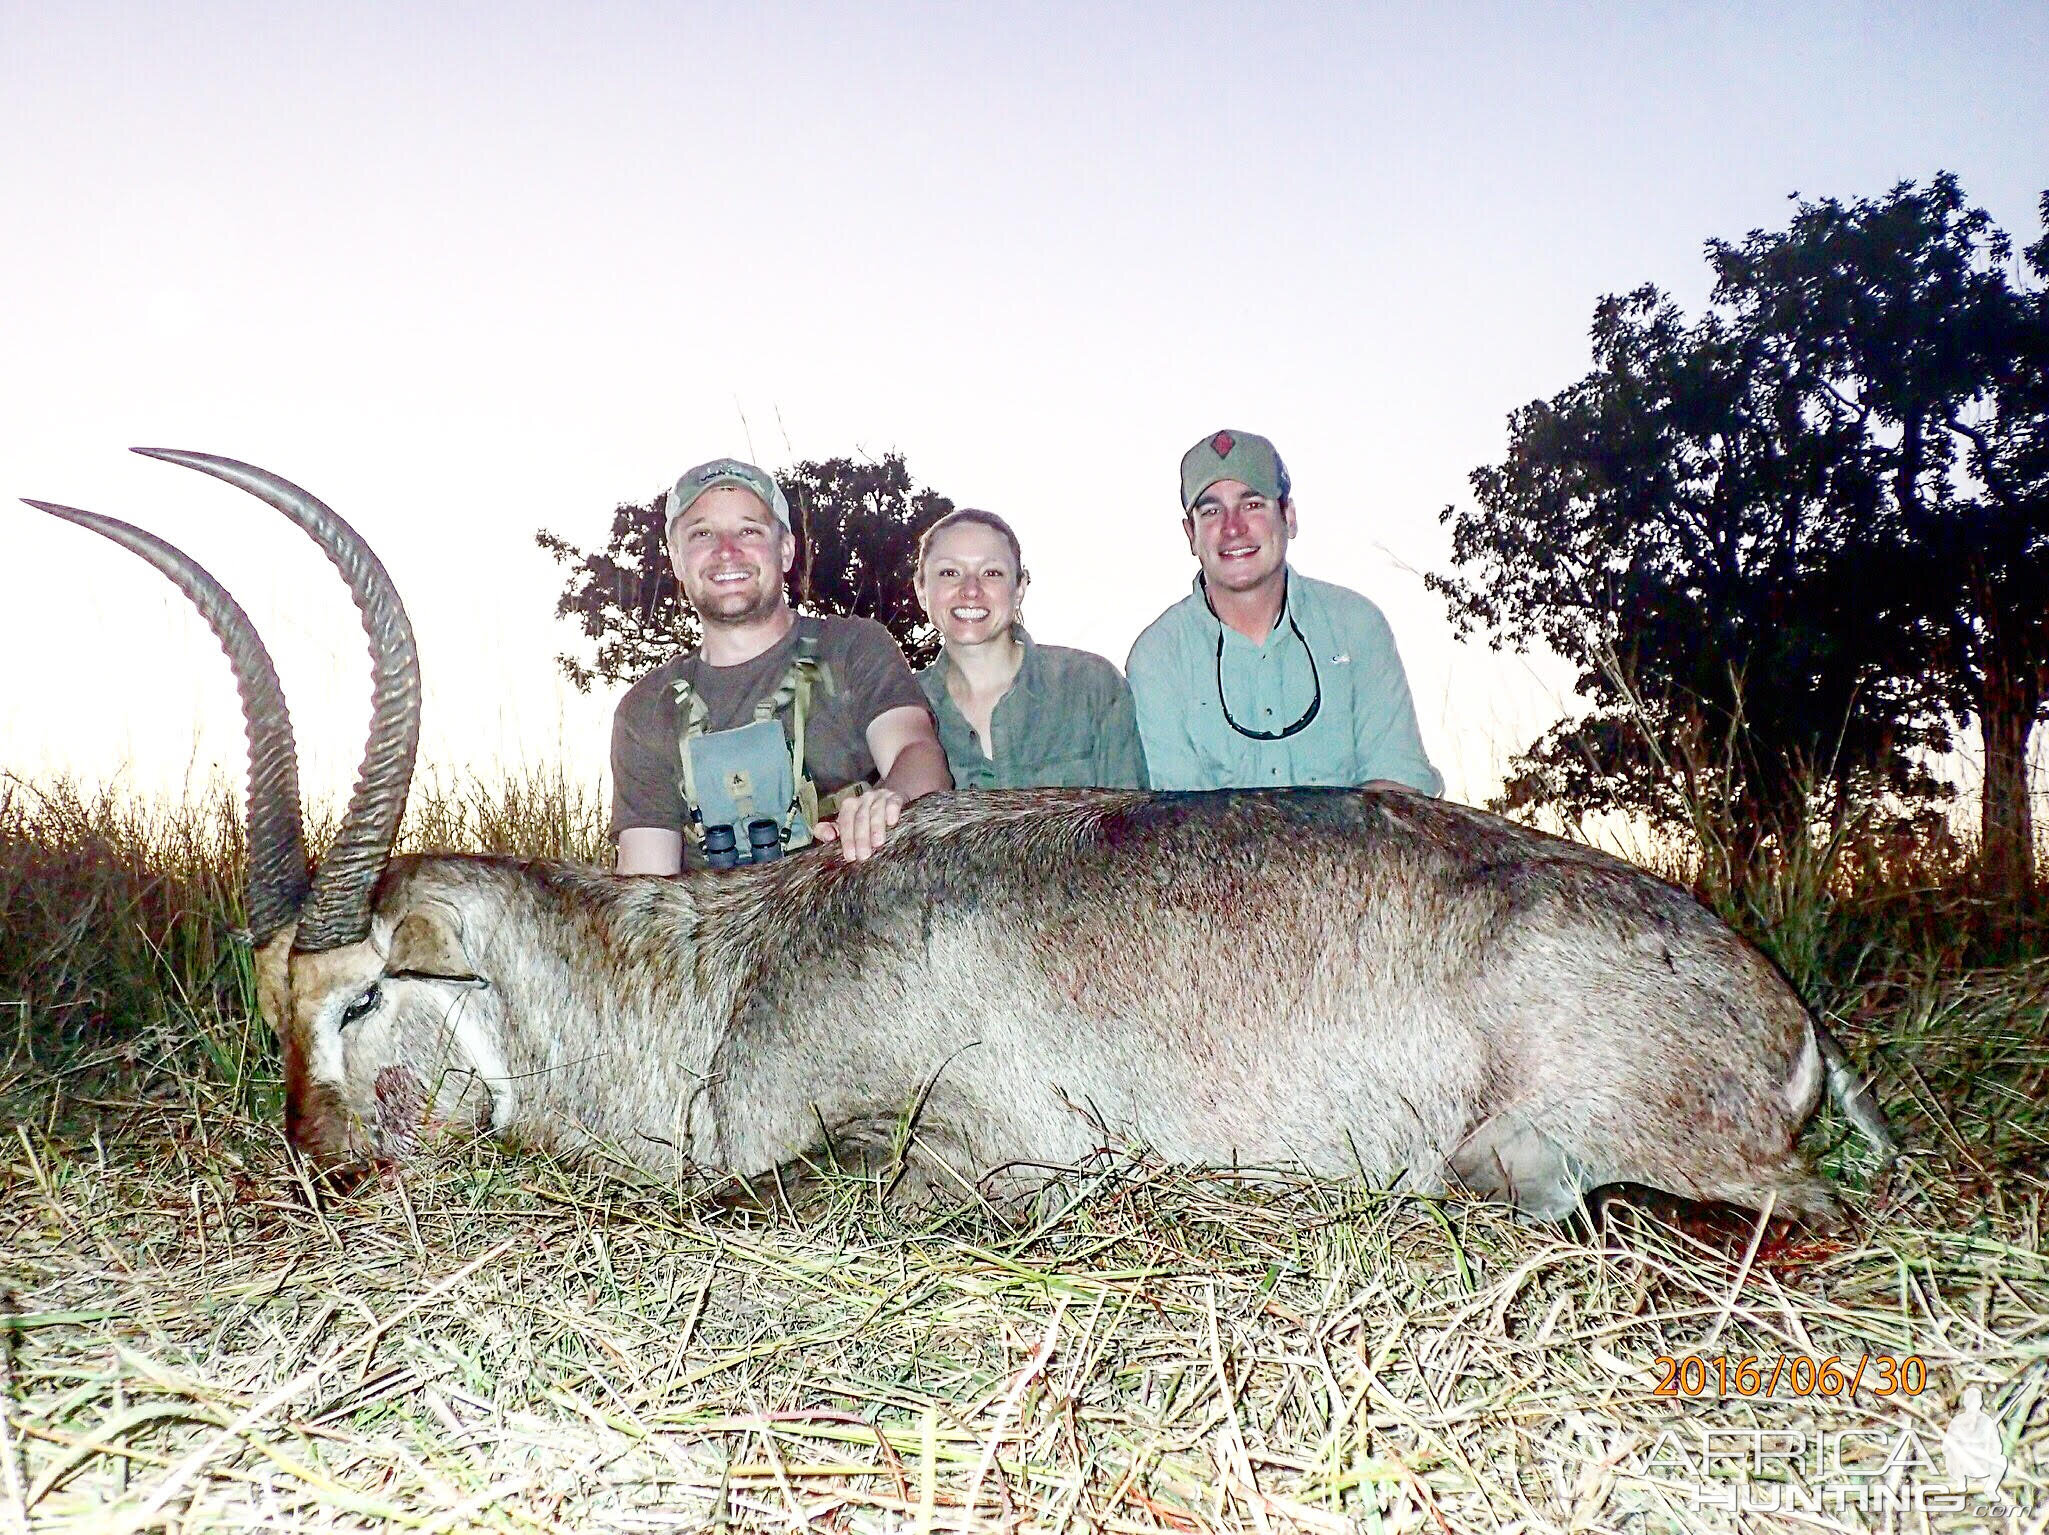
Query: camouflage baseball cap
[
  {"x": 1227, "y": 455},
  {"x": 725, "y": 471}
]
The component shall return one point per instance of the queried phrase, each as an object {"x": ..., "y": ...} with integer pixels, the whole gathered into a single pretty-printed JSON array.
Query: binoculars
[{"x": 764, "y": 844}]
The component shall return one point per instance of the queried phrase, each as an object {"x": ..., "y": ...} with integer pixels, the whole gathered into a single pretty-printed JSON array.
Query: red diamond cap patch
[{"x": 1222, "y": 444}]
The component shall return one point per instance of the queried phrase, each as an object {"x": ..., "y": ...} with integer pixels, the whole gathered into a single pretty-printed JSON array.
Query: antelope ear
[
  {"x": 274, "y": 979},
  {"x": 426, "y": 942}
]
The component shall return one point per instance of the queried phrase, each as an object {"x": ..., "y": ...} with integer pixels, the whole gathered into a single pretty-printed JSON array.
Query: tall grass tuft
[
  {"x": 1844, "y": 885},
  {"x": 532, "y": 813},
  {"x": 1846, "y": 900},
  {"x": 119, "y": 915},
  {"x": 116, "y": 914}
]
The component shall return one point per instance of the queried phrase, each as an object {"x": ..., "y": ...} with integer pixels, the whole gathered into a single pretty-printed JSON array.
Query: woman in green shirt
[{"x": 1014, "y": 714}]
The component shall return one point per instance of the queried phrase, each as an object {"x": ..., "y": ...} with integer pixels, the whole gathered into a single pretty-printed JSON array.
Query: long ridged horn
[
  {"x": 337, "y": 913},
  {"x": 277, "y": 845}
]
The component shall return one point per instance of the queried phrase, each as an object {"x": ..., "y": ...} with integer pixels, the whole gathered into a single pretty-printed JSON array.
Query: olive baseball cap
[
  {"x": 725, "y": 471},
  {"x": 1227, "y": 455}
]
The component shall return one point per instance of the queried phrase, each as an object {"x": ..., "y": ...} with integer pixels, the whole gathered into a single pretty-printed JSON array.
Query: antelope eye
[{"x": 361, "y": 1006}]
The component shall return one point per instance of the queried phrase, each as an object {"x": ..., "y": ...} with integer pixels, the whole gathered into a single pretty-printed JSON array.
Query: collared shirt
[
  {"x": 1365, "y": 727},
  {"x": 1067, "y": 722}
]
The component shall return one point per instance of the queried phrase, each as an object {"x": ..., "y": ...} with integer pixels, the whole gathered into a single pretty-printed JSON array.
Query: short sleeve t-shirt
[{"x": 866, "y": 677}]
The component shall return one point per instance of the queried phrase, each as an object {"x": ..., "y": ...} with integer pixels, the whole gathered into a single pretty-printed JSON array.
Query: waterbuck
[{"x": 1361, "y": 983}]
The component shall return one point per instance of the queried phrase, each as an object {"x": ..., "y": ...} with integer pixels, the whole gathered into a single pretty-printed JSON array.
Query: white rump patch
[{"x": 1804, "y": 1086}]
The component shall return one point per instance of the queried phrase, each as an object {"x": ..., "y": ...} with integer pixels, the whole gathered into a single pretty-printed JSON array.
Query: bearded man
[{"x": 778, "y": 729}]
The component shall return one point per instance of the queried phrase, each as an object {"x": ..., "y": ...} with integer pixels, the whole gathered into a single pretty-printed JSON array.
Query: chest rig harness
[{"x": 749, "y": 796}]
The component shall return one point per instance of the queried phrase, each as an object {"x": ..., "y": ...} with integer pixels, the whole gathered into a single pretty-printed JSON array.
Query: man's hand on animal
[
  {"x": 863, "y": 823},
  {"x": 1377, "y": 986},
  {"x": 913, "y": 763}
]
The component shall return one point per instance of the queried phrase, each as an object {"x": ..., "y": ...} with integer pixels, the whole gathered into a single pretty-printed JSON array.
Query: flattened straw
[
  {"x": 190, "y": 1467},
  {"x": 782, "y": 1477},
  {"x": 1742, "y": 1270},
  {"x": 1232, "y": 1460},
  {"x": 17, "y": 1501},
  {"x": 1018, "y": 1386},
  {"x": 928, "y": 1467}
]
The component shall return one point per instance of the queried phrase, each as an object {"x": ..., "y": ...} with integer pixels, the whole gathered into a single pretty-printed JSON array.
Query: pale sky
[{"x": 465, "y": 271}]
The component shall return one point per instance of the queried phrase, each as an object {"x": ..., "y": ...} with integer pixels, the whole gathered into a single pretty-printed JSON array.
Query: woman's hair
[{"x": 964, "y": 514}]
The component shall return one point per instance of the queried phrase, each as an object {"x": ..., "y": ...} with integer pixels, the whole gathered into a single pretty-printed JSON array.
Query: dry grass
[{"x": 196, "y": 1338}]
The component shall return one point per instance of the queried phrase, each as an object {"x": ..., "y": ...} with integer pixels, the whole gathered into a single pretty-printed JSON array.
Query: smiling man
[
  {"x": 1262, "y": 678},
  {"x": 779, "y": 729}
]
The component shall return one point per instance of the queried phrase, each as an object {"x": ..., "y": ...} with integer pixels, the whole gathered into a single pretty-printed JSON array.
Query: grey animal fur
[{"x": 1359, "y": 983}]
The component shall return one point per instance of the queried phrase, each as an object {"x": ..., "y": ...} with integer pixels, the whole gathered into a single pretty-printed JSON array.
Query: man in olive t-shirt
[{"x": 729, "y": 539}]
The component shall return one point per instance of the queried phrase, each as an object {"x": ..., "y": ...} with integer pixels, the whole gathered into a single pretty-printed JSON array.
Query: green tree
[
  {"x": 1904, "y": 325},
  {"x": 1790, "y": 542},
  {"x": 857, "y": 525},
  {"x": 1666, "y": 523}
]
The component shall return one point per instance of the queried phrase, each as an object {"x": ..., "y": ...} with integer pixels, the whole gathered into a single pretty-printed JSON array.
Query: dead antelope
[{"x": 1367, "y": 984}]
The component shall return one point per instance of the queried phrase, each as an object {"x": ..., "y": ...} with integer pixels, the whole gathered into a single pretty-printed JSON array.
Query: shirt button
[{"x": 1268, "y": 713}]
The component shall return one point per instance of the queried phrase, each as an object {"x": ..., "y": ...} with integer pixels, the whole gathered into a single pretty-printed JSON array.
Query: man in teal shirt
[{"x": 1260, "y": 677}]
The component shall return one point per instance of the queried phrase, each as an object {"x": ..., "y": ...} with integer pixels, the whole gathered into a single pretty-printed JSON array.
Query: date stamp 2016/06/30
[{"x": 1789, "y": 1375}]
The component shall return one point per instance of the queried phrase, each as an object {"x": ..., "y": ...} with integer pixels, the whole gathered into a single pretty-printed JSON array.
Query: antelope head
[{"x": 374, "y": 1002}]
